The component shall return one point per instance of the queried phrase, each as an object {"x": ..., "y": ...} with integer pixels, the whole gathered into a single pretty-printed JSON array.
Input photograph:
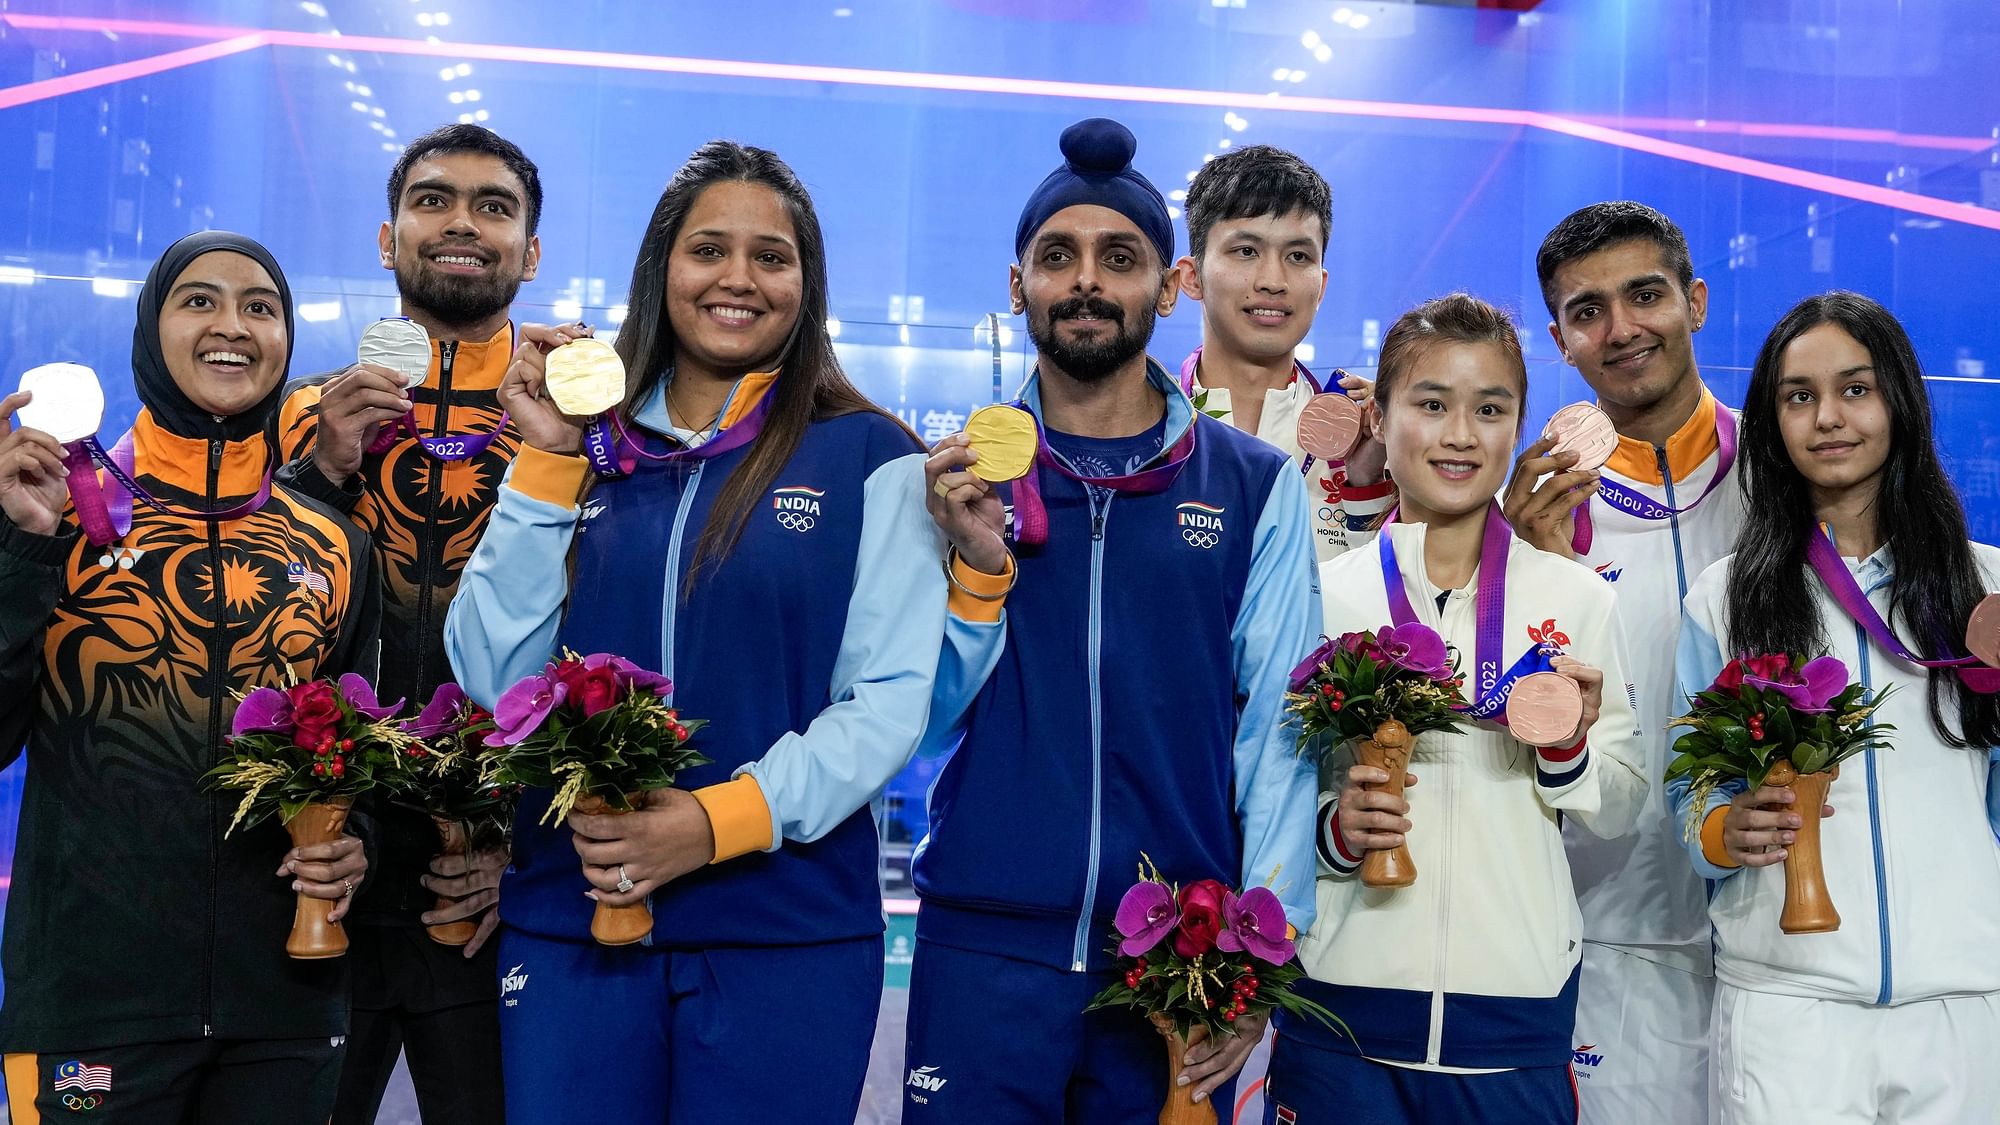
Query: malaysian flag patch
[
  {"x": 297, "y": 574},
  {"x": 75, "y": 1075}
]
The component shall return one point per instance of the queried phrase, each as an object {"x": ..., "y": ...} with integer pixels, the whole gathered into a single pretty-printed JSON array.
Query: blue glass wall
[{"x": 1803, "y": 144}]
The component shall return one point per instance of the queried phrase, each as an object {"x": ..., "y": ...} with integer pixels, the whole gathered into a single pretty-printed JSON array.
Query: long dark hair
[
  {"x": 811, "y": 385},
  {"x": 1917, "y": 515}
]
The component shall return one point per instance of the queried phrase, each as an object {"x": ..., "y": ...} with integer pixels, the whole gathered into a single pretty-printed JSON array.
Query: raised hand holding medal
[
  {"x": 999, "y": 443},
  {"x": 1558, "y": 475},
  {"x": 523, "y": 390},
  {"x": 32, "y": 464}
]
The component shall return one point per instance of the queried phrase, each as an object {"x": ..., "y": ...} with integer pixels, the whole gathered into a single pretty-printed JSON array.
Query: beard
[
  {"x": 456, "y": 301},
  {"x": 1089, "y": 361}
]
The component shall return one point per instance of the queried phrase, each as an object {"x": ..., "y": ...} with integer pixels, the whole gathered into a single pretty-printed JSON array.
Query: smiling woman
[
  {"x": 224, "y": 333},
  {"x": 803, "y": 624},
  {"x": 156, "y": 940}
]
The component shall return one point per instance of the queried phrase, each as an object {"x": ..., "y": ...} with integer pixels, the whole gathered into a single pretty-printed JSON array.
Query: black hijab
[{"x": 170, "y": 406}]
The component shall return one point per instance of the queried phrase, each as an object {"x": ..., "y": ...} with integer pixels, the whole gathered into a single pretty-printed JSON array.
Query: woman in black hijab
[{"x": 146, "y": 976}]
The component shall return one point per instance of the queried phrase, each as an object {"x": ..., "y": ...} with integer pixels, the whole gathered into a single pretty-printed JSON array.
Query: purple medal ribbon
[
  {"x": 1491, "y": 685},
  {"x": 1825, "y": 560},
  {"x": 1635, "y": 503},
  {"x": 446, "y": 447},
  {"x": 1299, "y": 370},
  {"x": 614, "y": 452},
  {"x": 105, "y": 519},
  {"x": 1031, "y": 516}
]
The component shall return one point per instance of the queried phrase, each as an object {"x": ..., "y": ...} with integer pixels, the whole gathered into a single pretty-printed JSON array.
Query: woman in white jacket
[
  {"x": 1461, "y": 988},
  {"x": 1893, "y": 1017}
]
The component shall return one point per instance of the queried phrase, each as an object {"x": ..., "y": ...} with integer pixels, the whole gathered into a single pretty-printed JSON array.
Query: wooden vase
[
  {"x": 1808, "y": 906},
  {"x": 315, "y": 936},
  {"x": 1180, "y": 1108},
  {"x": 452, "y": 840},
  {"x": 1388, "y": 750},
  {"x": 616, "y": 925}
]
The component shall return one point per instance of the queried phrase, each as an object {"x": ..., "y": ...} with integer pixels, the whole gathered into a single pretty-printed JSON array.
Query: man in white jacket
[
  {"x": 1620, "y": 287},
  {"x": 1258, "y": 221}
]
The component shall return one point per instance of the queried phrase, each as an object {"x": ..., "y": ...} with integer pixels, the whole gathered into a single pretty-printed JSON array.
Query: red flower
[
  {"x": 590, "y": 689},
  {"x": 1775, "y": 667},
  {"x": 315, "y": 710},
  {"x": 1201, "y": 917},
  {"x": 1731, "y": 679}
]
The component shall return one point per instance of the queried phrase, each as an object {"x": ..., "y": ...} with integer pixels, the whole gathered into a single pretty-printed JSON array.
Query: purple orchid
[
  {"x": 1145, "y": 915},
  {"x": 1305, "y": 670},
  {"x": 360, "y": 695},
  {"x": 1811, "y": 689},
  {"x": 524, "y": 707},
  {"x": 264, "y": 711},
  {"x": 1254, "y": 923},
  {"x": 630, "y": 675},
  {"x": 1414, "y": 647},
  {"x": 439, "y": 715}
]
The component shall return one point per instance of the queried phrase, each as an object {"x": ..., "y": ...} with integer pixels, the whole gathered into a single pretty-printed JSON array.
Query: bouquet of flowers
[
  {"x": 1778, "y": 719},
  {"x": 304, "y": 752},
  {"x": 443, "y": 780},
  {"x": 1199, "y": 959},
  {"x": 596, "y": 731},
  {"x": 1381, "y": 690}
]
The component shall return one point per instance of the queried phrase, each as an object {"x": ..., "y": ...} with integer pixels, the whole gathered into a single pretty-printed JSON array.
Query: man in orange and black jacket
[{"x": 463, "y": 207}]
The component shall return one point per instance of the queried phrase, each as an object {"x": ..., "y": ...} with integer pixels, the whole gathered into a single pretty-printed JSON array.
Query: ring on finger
[{"x": 941, "y": 488}]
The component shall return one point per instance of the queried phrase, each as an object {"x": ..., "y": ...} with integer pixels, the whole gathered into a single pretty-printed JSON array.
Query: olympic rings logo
[
  {"x": 85, "y": 1101},
  {"x": 1198, "y": 538},
  {"x": 794, "y": 521}
]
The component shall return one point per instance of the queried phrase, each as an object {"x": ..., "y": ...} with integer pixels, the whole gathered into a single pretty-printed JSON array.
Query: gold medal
[
  {"x": 585, "y": 378},
  {"x": 1004, "y": 437}
]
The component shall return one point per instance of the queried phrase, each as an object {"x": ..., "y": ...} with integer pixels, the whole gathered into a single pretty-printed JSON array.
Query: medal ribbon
[
  {"x": 1491, "y": 684},
  {"x": 1825, "y": 560},
  {"x": 1635, "y": 503}
]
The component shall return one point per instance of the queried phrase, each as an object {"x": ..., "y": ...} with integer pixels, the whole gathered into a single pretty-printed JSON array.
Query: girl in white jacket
[
  {"x": 1893, "y": 1017},
  {"x": 1461, "y": 988}
]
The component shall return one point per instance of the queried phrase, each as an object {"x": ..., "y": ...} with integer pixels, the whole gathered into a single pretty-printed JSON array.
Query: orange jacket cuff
[
  {"x": 968, "y": 608},
  {"x": 738, "y": 815},
  {"x": 1711, "y": 838},
  {"x": 552, "y": 478}
]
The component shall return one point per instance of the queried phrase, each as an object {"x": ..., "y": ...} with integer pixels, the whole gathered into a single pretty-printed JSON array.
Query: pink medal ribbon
[
  {"x": 1492, "y": 687},
  {"x": 1825, "y": 560},
  {"x": 105, "y": 511},
  {"x": 1638, "y": 504},
  {"x": 614, "y": 451},
  {"x": 1031, "y": 516}
]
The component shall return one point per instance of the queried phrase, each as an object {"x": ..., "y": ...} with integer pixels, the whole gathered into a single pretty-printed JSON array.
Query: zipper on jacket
[
  {"x": 673, "y": 598},
  {"x": 1875, "y": 836},
  {"x": 1434, "y": 1046},
  {"x": 218, "y": 660},
  {"x": 427, "y": 533},
  {"x": 1674, "y": 521},
  {"x": 1080, "y": 951}
]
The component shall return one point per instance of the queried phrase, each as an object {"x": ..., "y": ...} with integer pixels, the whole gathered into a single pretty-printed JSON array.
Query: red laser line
[{"x": 11, "y": 96}]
